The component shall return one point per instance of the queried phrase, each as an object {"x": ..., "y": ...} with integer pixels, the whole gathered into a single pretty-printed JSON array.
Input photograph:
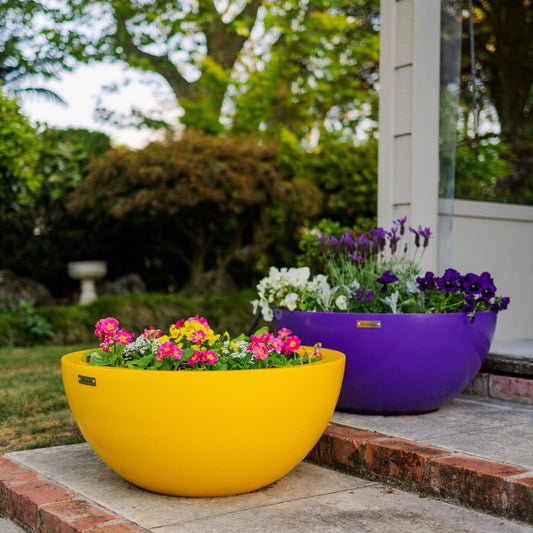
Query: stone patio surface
[{"x": 467, "y": 467}]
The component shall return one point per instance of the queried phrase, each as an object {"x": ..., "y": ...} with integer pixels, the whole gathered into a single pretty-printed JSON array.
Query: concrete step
[
  {"x": 69, "y": 490},
  {"x": 472, "y": 452},
  {"x": 510, "y": 358}
]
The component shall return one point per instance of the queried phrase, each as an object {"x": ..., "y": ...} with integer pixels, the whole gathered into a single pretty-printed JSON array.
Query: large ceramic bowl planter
[
  {"x": 203, "y": 433},
  {"x": 398, "y": 363}
]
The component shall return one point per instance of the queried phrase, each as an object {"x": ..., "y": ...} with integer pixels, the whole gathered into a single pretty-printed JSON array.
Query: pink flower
[
  {"x": 105, "y": 347},
  {"x": 291, "y": 344},
  {"x": 199, "y": 319},
  {"x": 167, "y": 349},
  {"x": 179, "y": 324},
  {"x": 195, "y": 358},
  {"x": 259, "y": 350},
  {"x": 105, "y": 327},
  {"x": 276, "y": 344},
  {"x": 209, "y": 356},
  {"x": 110, "y": 325},
  {"x": 123, "y": 337},
  {"x": 198, "y": 336},
  {"x": 152, "y": 333},
  {"x": 284, "y": 333}
]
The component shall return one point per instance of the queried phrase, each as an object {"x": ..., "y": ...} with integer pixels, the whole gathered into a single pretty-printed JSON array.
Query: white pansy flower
[
  {"x": 290, "y": 301},
  {"x": 267, "y": 313},
  {"x": 341, "y": 302},
  {"x": 298, "y": 277},
  {"x": 354, "y": 285}
]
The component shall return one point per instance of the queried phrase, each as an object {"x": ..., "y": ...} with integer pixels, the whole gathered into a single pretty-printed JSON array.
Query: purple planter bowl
[{"x": 411, "y": 363}]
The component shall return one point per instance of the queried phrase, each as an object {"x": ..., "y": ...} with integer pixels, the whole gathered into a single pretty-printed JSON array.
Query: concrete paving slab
[
  {"x": 309, "y": 499},
  {"x": 6, "y": 526},
  {"x": 80, "y": 470},
  {"x": 496, "y": 430}
]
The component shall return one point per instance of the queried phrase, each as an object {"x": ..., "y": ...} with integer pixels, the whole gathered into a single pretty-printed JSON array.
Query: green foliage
[
  {"x": 320, "y": 74},
  {"x": 35, "y": 323},
  {"x": 19, "y": 147},
  {"x": 39, "y": 239},
  {"x": 481, "y": 170},
  {"x": 347, "y": 176},
  {"x": 203, "y": 200},
  {"x": 302, "y": 65},
  {"x": 503, "y": 34},
  {"x": 75, "y": 324}
]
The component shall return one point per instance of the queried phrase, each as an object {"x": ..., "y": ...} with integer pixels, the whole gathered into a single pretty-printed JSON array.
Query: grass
[{"x": 34, "y": 412}]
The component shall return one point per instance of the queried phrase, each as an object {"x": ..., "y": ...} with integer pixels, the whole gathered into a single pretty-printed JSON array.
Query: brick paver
[{"x": 502, "y": 489}]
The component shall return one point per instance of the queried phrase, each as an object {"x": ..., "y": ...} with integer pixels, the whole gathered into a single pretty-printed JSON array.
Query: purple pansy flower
[
  {"x": 449, "y": 281},
  {"x": 488, "y": 289},
  {"x": 386, "y": 279},
  {"x": 427, "y": 282},
  {"x": 470, "y": 304},
  {"x": 471, "y": 283}
]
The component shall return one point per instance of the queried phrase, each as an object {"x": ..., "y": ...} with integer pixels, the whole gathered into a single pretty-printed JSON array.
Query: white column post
[{"x": 408, "y": 163}]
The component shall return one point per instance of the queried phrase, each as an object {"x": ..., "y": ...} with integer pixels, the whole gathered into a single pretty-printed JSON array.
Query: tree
[
  {"x": 19, "y": 152},
  {"x": 503, "y": 31},
  {"x": 40, "y": 237},
  {"x": 319, "y": 78},
  {"x": 206, "y": 200},
  {"x": 24, "y": 50},
  {"x": 322, "y": 53}
]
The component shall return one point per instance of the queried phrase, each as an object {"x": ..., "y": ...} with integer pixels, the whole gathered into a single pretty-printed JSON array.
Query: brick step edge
[
  {"x": 508, "y": 388},
  {"x": 43, "y": 507},
  {"x": 500, "y": 489}
]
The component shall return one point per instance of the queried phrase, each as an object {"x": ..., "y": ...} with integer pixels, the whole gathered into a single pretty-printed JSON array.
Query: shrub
[{"x": 75, "y": 324}]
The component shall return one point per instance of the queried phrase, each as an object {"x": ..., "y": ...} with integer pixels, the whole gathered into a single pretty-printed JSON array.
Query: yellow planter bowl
[{"x": 211, "y": 433}]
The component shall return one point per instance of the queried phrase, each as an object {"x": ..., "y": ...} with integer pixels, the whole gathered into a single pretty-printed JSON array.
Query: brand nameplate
[
  {"x": 369, "y": 324},
  {"x": 86, "y": 380}
]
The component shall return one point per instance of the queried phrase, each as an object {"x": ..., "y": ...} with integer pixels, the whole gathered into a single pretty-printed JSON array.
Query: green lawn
[{"x": 34, "y": 412}]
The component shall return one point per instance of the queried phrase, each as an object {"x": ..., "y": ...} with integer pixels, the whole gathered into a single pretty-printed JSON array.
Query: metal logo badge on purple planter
[{"x": 398, "y": 363}]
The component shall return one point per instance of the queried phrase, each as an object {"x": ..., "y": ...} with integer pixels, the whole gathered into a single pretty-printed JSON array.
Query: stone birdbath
[{"x": 87, "y": 272}]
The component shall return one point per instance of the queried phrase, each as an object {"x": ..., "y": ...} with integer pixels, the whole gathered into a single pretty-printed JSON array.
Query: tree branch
[
  {"x": 161, "y": 64},
  {"x": 223, "y": 41}
]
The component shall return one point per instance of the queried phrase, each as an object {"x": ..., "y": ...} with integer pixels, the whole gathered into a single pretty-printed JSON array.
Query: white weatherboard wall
[{"x": 497, "y": 238}]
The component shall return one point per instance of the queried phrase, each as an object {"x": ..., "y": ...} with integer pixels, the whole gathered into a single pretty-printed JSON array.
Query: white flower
[
  {"x": 318, "y": 282},
  {"x": 290, "y": 301},
  {"x": 354, "y": 285},
  {"x": 298, "y": 277},
  {"x": 267, "y": 313},
  {"x": 341, "y": 302}
]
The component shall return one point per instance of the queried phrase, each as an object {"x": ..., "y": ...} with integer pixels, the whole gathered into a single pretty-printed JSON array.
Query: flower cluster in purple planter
[
  {"x": 472, "y": 290},
  {"x": 375, "y": 272}
]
